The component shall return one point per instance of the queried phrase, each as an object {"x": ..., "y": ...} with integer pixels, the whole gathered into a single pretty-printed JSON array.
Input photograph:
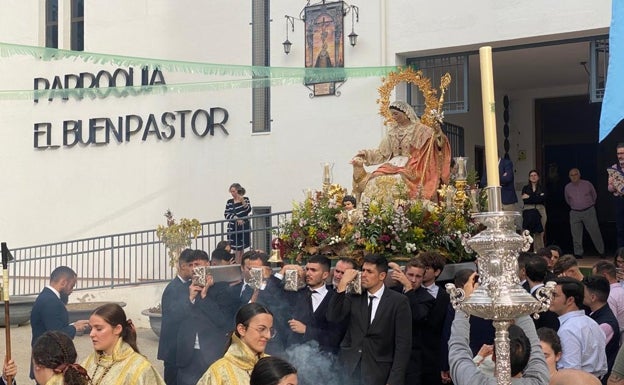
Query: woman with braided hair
[
  {"x": 116, "y": 359},
  {"x": 54, "y": 361}
]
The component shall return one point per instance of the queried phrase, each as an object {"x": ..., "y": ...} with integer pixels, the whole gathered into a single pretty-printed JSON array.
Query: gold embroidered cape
[
  {"x": 123, "y": 367},
  {"x": 234, "y": 368}
]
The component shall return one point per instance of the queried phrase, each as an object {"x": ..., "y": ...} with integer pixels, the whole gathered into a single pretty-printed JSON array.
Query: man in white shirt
[{"x": 582, "y": 341}]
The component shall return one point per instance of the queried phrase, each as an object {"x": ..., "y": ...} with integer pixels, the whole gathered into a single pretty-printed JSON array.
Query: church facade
[{"x": 194, "y": 117}]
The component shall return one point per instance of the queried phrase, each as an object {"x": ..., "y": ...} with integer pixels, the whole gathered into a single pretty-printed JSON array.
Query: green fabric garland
[{"x": 253, "y": 76}]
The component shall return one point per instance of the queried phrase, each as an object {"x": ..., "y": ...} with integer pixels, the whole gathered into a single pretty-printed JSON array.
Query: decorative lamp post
[
  {"x": 290, "y": 21},
  {"x": 355, "y": 16},
  {"x": 353, "y": 38},
  {"x": 287, "y": 44}
]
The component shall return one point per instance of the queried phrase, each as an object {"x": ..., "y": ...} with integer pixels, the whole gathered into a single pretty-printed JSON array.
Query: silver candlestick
[{"x": 499, "y": 296}]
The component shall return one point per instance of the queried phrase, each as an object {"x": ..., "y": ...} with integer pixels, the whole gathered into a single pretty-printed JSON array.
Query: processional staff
[{"x": 6, "y": 257}]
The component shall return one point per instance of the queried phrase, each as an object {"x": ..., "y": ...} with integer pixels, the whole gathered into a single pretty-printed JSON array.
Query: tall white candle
[{"x": 489, "y": 116}]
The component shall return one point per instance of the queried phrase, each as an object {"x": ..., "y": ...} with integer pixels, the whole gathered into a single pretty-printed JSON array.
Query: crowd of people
[
  {"x": 388, "y": 334},
  {"x": 581, "y": 332},
  {"x": 580, "y": 196},
  {"x": 400, "y": 328},
  {"x": 373, "y": 324}
]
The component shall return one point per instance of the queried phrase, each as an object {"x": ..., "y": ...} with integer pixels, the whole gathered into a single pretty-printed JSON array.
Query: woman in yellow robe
[
  {"x": 254, "y": 329},
  {"x": 54, "y": 361},
  {"x": 116, "y": 359},
  {"x": 417, "y": 154}
]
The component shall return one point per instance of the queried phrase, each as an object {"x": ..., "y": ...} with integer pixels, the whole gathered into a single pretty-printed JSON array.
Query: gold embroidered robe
[
  {"x": 127, "y": 367},
  {"x": 234, "y": 368},
  {"x": 56, "y": 379}
]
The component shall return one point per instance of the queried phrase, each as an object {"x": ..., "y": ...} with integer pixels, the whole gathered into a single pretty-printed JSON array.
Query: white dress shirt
[{"x": 582, "y": 344}]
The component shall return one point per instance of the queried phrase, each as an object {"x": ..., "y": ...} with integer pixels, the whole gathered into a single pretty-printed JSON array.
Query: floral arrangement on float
[
  {"x": 313, "y": 227},
  {"x": 398, "y": 229}
]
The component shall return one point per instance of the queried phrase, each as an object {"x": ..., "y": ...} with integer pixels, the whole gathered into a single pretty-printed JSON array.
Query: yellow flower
[{"x": 374, "y": 209}]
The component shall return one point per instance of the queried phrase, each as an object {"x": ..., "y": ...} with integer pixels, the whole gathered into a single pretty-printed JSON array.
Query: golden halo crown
[{"x": 432, "y": 115}]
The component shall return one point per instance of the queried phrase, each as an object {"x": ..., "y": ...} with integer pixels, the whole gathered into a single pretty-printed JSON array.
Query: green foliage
[
  {"x": 177, "y": 236},
  {"x": 472, "y": 178}
]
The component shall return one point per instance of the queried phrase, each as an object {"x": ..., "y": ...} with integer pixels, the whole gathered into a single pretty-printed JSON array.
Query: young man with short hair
[
  {"x": 377, "y": 344},
  {"x": 583, "y": 342}
]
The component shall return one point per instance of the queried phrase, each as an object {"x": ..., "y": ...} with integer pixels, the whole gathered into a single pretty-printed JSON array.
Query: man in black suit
[
  {"x": 241, "y": 293},
  {"x": 49, "y": 312},
  {"x": 308, "y": 321},
  {"x": 596, "y": 295},
  {"x": 432, "y": 331},
  {"x": 549, "y": 257},
  {"x": 221, "y": 257},
  {"x": 421, "y": 303},
  {"x": 342, "y": 265},
  {"x": 202, "y": 335},
  {"x": 523, "y": 258},
  {"x": 176, "y": 306},
  {"x": 378, "y": 341},
  {"x": 536, "y": 271}
]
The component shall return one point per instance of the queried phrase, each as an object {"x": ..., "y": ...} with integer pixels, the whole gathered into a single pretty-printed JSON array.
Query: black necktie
[
  {"x": 371, "y": 298},
  {"x": 246, "y": 294}
]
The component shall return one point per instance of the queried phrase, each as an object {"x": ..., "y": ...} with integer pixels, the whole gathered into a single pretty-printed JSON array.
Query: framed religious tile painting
[{"x": 324, "y": 42}]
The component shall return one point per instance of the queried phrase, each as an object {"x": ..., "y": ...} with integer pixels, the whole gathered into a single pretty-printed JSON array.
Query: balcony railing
[{"x": 123, "y": 259}]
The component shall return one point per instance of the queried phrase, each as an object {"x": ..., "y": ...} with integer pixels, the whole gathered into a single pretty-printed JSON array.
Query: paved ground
[{"x": 20, "y": 346}]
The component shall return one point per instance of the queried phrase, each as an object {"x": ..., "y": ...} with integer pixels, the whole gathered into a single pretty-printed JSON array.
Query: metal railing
[{"x": 122, "y": 259}]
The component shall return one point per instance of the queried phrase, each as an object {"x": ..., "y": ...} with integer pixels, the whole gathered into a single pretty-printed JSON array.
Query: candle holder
[
  {"x": 449, "y": 195},
  {"x": 474, "y": 200},
  {"x": 499, "y": 296},
  {"x": 460, "y": 181},
  {"x": 460, "y": 168},
  {"x": 327, "y": 174}
]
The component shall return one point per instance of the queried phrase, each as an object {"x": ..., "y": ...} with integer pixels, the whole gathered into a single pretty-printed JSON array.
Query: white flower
[
  {"x": 438, "y": 116},
  {"x": 335, "y": 240},
  {"x": 428, "y": 205}
]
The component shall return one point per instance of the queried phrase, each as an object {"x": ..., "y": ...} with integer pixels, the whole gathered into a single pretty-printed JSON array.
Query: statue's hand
[{"x": 357, "y": 161}]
